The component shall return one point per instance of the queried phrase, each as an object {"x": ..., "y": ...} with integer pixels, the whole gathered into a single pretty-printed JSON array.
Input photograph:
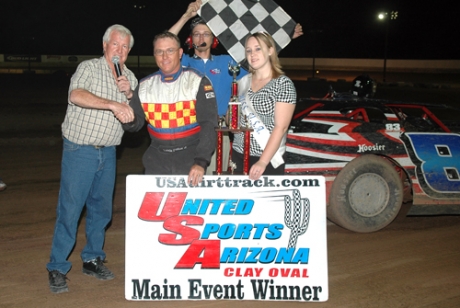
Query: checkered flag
[{"x": 233, "y": 20}]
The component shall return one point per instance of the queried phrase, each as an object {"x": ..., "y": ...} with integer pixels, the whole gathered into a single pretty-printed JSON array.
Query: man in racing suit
[{"x": 180, "y": 107}]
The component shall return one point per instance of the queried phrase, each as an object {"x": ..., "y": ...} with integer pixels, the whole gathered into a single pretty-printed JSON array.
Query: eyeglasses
[
  {"x": 169, "y": 51},
  {"x": 205, "y": 35}
]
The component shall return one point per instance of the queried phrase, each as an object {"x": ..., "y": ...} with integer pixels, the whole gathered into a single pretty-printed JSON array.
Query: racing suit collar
[{"x": 171, "y": 78}]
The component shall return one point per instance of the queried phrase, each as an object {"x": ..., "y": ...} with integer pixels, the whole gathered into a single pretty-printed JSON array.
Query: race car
[{"x": 377, "y": 155}]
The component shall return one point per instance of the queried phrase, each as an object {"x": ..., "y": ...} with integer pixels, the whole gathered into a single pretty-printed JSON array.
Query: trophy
[
  {"x": 233, "y": 115},
  {"x": 234, "y": 104}
]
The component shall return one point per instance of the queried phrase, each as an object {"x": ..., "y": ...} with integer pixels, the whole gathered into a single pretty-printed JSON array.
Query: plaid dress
[{"x": 263, "y": 101}]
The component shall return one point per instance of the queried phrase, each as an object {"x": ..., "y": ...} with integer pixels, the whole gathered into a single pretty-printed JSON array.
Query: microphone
[
  {"x": 198, "y": 46},
  {"x": 116, "y": 63}
]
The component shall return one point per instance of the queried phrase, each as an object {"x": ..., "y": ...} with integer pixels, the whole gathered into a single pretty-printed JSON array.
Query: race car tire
[{"x": 366, "y": 195}]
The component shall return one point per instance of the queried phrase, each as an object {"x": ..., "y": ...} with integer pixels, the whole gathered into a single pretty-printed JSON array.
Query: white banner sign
[{"x": 229, "y": 238}]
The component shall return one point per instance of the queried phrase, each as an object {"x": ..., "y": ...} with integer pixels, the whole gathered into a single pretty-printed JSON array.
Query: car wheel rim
[{"x": 369, "y": 194}]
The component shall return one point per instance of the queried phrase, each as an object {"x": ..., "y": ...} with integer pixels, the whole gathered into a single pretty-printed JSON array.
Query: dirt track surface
[{"x": 414, "y": 262}]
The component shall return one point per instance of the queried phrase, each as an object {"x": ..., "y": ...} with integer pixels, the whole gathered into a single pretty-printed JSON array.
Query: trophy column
[{"x": 234, "y": 126}]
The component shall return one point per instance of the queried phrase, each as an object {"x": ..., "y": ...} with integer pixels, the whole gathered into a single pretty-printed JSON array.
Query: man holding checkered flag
[{"x": 229, "y": 23}]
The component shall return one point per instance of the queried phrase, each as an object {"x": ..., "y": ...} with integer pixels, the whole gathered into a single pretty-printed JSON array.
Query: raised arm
[
  {"x": 297, "y": 31},
  {"x": 191, "y": 12}
]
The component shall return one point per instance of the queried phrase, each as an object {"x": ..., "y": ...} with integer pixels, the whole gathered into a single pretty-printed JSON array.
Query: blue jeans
[{"x": 87, "y": 177}]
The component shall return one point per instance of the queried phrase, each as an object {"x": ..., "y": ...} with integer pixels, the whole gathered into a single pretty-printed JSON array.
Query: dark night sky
[{"x": 333, "y": 28}]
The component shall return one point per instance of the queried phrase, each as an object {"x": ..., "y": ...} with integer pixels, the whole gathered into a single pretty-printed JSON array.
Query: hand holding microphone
[
  {"x": 123, "y": 83},
  {"x": 116, "y": 64}
]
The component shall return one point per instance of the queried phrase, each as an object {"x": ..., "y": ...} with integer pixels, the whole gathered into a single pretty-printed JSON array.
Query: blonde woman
[{"x": 268, "y": 100}]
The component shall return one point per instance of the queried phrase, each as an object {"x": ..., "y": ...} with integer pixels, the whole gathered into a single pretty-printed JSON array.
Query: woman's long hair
[{"x": 264, "y": 37}]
